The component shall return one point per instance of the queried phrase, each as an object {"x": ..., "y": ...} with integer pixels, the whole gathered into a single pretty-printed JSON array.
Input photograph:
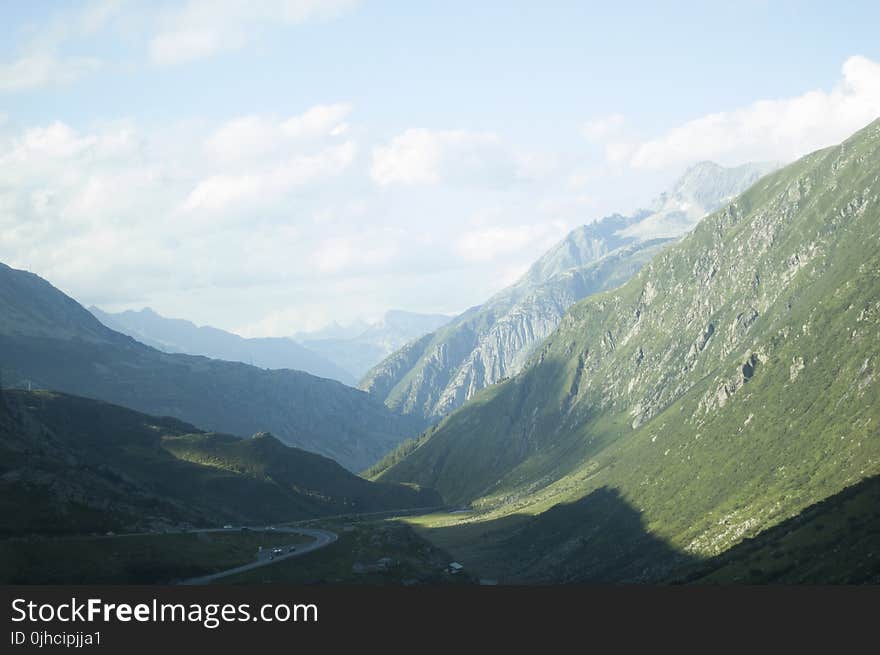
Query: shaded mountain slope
[
  {"x": 835, "y": 541},
  {"x": 47, "y": 340},
  {"x": 74, "y": 465}
]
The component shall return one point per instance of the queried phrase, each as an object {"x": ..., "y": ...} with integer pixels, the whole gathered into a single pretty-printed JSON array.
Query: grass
[
  {"x": 135, "y": 559},
  {"x": 413, "y": 559},
  {"x": 836, "y": 541}
]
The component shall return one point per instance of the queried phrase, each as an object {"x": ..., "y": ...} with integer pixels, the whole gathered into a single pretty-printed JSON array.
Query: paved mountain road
[{"x": 321, "y": 538}]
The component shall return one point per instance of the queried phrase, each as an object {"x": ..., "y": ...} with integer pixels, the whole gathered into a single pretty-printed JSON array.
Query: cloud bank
[{"x": 766, "y": 130}]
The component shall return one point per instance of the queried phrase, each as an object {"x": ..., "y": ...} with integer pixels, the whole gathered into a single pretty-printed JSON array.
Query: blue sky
[{"x": 269, "y": 167}]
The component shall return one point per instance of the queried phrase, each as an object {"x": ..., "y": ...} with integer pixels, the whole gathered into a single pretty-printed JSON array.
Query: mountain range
[
  {"x": 726, "y": 387},
  {"x": 49, "y": 341},
  {"x": 174, "y": 335},
  {"x": 337, "y": 352},
  {"x": 76, "y": 465},
  {"x": 439, "y": 372},
  {"x": 360, "y": 346},
  {"x": 658, "y": 399}
]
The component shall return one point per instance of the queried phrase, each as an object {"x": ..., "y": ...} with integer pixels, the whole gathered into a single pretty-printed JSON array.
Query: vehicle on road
[
  {"x": 277, "y": 551},
  {"x": 228, "y": 527}
]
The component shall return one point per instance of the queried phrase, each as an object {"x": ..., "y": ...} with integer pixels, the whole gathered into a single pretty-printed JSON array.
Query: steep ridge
[
  {"x": 728, "y": 385},
  {"x": 436, "y": 374},
  {"x": 74, "y": 465},
  {"x": 49, "y": 341}
]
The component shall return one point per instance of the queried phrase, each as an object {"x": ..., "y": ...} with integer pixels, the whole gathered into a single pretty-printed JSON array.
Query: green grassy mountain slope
[
  {"x": 728, "y": 385},
  {"x": 835, "y": 541},
  {"x": 49, "y": 341},
  {"x": 437, "y": 374},
  {"x": 74, "y": 465}
]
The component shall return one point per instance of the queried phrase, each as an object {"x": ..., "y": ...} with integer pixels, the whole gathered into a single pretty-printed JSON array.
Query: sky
[{"x": 271, "y": 166}]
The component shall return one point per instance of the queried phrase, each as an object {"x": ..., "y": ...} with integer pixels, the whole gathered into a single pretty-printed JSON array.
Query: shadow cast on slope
[
  {"x": 599, "y": 538},
  {"x": 834, "y": 541}
]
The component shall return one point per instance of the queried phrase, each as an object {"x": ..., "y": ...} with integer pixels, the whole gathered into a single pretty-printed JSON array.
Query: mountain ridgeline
[
  {"x": 361, "y": 346},
  {"x": 74, "y": 465},
  {"x": 727, "y": 386},
  {"x": 433, "y": 375},
  {"x": 49, "y": 341},
  {"x": 173, "y": 335}
]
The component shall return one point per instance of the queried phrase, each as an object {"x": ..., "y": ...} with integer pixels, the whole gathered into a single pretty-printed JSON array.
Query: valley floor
[
  {"x": 353, "y": 549},
  {"x": 835, "y": 541}
]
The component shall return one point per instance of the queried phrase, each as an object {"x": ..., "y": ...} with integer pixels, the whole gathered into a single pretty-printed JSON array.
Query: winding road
[{"x": 321, "y": 538}]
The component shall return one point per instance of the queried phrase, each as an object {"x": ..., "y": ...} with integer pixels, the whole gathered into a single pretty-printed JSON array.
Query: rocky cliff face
[
  {"x": 503, "y": 348},
  {"x": 438, "y": 373},
  {"x": 729, "y": 384}
]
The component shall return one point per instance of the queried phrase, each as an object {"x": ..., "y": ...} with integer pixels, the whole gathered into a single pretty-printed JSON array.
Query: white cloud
[
  {"x": 781, "y": 129},
  {"x": 97, "y": 210},
  {"x": 285, "y": 322},
  {"x": 172, "y": 33},
  {"x": 202, "y": 28},
  {"x": 227, "y": 191},
  {"x": 250, "y": 136},
  {"x": 488, "y": 243},
  {"x": 56, "y": 141},
  {"x": 36, "y": 70},
  {"x": 243, "y": 137},
  {"x": 179, "y": 46},
  {"x": 41, "y": 61},
  {"x": 603, "y": 127},
  {"x": 318, "y": 121},
  {"x": 343, "y": 254},
  {"x": 98, "y": 195},
  {"x": 422, "y": 156},
  {"x": 567, "y": 204}
]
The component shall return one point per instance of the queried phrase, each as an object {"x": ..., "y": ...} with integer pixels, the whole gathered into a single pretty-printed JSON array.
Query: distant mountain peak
[
  {"x": 176, "y": 335},
  {"x": 700, "y": 190},
  {"x": 435, "y": 375}
]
